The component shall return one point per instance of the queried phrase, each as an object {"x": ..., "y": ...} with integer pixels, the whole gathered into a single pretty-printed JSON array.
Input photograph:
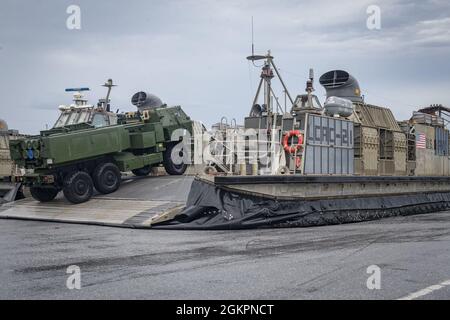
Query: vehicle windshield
[
  {"x": 72, "y": 117},
  {"x": 61, "y": 120}
]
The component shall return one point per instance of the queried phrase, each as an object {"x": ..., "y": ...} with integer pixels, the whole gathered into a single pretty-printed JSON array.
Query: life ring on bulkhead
[{"x": 292, "y": 148}]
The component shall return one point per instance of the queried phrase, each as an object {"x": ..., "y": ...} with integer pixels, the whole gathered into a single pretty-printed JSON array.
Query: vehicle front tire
[
  {"x": 169, "y": 165},
  {"x": 43, "y": 194},
  {"x": 106, "y": 178},
  {"x": 142, "y": 172},
  {"x": 78, "y": 187}
]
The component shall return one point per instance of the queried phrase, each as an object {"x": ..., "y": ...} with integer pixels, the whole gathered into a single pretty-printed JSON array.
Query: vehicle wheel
[
  {"x": 43, "y": 194},
  {"x": 78, "y": 187},
  {"x": 106, "y": 178},
  {"x": 169, "y": 165},
  {"x": 141, "y": 172}
]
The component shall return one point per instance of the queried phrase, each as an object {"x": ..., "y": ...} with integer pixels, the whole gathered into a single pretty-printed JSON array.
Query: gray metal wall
[
  {"x": 329, "y": 146},
  {"x": 441, "y": 142}
]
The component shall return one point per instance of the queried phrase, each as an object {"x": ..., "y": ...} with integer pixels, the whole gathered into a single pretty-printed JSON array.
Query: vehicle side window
[
  {"x": 112, "y": 120},
  {"x": 100, "y": 120}
]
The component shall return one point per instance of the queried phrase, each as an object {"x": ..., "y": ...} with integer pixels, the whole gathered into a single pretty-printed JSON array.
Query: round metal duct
[{"x": 143, "y": 100}]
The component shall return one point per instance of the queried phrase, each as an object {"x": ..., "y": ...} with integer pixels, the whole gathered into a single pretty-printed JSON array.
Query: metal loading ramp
[
  {"x": 169, "y": 202},
  {"x": 139, "y": 203}
]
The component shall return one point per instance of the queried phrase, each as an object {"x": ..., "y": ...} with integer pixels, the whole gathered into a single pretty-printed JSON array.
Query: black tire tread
[
  {"x": 69, "y": 192},
  {"x": 142, "y": 172},
  {"x": 96, "y": 177},
  {"x": 170, "y": 167},
  {"x": 43, "y": 194}
]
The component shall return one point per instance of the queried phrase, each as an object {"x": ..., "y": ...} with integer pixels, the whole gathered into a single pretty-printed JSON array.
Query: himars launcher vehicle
[{"x": 89, "y": 146}]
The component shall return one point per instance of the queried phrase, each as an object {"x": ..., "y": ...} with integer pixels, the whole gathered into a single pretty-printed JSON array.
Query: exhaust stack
[
  {"x": 144, "y": 101},
  {"x": 339, "y": 83}
]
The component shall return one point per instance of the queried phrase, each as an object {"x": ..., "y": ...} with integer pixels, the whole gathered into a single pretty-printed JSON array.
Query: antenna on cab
[{"x": 108, "y": 84}]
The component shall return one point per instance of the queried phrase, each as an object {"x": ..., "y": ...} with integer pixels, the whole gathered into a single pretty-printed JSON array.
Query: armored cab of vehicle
[{"x": 89, "y": 147}]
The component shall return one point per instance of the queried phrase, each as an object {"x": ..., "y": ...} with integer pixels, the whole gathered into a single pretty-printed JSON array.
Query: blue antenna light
[{"x": 77, "y": 89}]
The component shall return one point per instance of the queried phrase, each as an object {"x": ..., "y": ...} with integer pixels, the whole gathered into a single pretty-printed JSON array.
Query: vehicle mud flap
[
  {"x": 9, "y": 191},
  {"x": 212, "y": 207}
]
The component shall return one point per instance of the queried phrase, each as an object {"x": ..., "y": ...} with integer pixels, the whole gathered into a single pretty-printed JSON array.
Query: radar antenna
[{"x": 78, "y": 96}]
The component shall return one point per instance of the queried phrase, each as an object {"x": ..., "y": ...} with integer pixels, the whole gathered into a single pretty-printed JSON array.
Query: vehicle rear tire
[
  {"x": 169, "y": 165},
  {"x": 106, "y": 178},
  {"x": 43, "y": 194},
  {"x": 78, "y": 187},
  {"x": 142, "y": 172}
]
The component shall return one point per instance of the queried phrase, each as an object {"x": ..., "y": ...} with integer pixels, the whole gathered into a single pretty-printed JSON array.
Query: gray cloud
[{"x": 193, "y": 52}]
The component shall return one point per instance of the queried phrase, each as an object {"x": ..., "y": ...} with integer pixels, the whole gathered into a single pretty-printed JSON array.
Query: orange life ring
[{"x": 292, "y": 148}]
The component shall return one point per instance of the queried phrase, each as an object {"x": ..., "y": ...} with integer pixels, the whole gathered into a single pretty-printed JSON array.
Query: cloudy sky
[{"x": 192, "y": 52}]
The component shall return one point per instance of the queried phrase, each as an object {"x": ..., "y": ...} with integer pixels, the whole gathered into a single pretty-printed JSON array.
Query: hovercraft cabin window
[
  {"x": 357, "y": 141},
  {"x": 386, "y": 144}
]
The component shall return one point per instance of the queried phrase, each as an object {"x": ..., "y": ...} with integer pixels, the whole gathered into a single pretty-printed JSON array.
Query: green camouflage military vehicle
[{"x": 89, "y": 147}]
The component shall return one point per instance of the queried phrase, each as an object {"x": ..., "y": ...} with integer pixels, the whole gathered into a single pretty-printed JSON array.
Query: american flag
[{"x": 421, "y": 141}]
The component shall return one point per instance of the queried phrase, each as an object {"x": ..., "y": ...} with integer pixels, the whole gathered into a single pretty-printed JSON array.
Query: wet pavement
[{"x": 329, "y": 262}]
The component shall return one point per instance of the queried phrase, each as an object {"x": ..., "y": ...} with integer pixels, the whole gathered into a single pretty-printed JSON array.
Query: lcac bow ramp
[{"x": 140, "y": 203}]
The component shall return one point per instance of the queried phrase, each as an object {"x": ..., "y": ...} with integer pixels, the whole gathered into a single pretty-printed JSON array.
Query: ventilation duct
[
  {"x": 339, "y": 83},
  {"x": 143, "y": 101}
]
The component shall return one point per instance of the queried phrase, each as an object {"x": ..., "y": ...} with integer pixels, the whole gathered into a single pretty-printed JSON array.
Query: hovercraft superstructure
[{"x": 345, "y": 161}]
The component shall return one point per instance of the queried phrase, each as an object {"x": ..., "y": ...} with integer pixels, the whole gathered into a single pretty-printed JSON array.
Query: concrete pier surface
[{"x": 330, "y": 262}]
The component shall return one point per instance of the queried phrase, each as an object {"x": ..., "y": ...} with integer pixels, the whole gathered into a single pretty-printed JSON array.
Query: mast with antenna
[
  {"x": 253, "y": 40},
  {"x": 266, "y": 77},
  {"x": 108, "y": 84}
]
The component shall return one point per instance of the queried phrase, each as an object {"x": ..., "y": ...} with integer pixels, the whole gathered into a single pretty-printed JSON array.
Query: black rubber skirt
[{"x": 212, "y": 207}]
